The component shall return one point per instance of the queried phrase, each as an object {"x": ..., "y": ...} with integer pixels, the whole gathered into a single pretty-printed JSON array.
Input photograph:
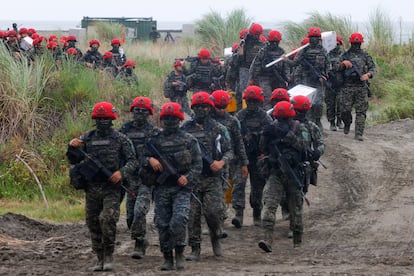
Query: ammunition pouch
[{"x": 77, "y": 180}]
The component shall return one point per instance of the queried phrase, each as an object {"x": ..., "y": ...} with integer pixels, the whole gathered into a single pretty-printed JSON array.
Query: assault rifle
[
  {"x": 355, "y": 68},
  {"x": 318, "y": 74},
  {"x": 207, "y": 159},
  {"x": 168, "y": 169},
  {"x": 92, "y": 166},
  {"x": 188, "y": 59},
  {"x": 287, "y": 170}
]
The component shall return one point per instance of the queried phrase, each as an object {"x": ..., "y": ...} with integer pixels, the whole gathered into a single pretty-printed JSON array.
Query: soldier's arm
[
  {"x": 130, "y": 157},
  {"x": 239, "y": 144},
  {"x": 196, "y": 162},
  {"x": 317, "y": 140}
]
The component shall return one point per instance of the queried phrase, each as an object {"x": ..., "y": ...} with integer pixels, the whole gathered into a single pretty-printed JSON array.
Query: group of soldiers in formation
[
  {"x": 26, "y": 43},
  {"x": 186, "y": 166}
]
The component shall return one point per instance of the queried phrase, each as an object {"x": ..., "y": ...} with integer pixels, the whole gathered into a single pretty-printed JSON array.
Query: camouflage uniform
[
  {"x": 177, "y": 94},
  {"x": 128, "y": 75},
  {"x": 118, "y": 56},
  {"x": 252, "y": 123},
  {"x": 137, "y": 208},
  {"x": 269, "y": 78},
  {"x": 292, "y": 148},
  {"x": 209, "y": 189},
  {"x": 93, "y": 57},
  {"x": 332, "y": 96},
  {"x": 204, "y": 77},
  {"x": 354, "y": 92}
]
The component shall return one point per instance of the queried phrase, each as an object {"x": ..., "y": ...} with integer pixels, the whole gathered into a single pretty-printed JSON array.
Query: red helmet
[
  {"x": 142, "y": 102},
  {"x": 284, "y": 110},
  {"x": 22, "y": 31},
  {"x": 94, "y": 41},
  {"x": 339, "y": 40},
  {"x": 256, "y": 29},
  {"x": 253, "y": 92},
  {"x": 204, "y": 54},
  {"x": 314, "y": 31},
  {"x": 243, "y": 33},
  {"x": 234, "y": 47},
  {"x": 280, "y": 94},
  {"x": 72, "y": 52},
  {"x": 356, "y": 38},
  {"x": 221, "y": 98},
  {"x": 274, "y": 35},
  {"x": 39, "y": 40},
  {"x": 11, "y": 33},
  {"x": 63, "y": 37},
  {"x": 202, "y": 98},
  {"x": 51, "y": 45},
  {"x": 129, "y": 63},
  {"x": 107, "y": 55},
  {"x": 71, "y": 38},
  {"x": 301, "y": 102},
  {"x": 35, "y": 35},
  {"x": 172, "y": 109},
  {"x": 177, "y": 63},
  {"x": 3, "y": 34},
  {"x": 53, "y": 38},
  {"x": 305, "y": 41},
  {"x": 115, "y": 41},
  {"x": 104, "y": 110},
  {"x": 31, "y": 31}
]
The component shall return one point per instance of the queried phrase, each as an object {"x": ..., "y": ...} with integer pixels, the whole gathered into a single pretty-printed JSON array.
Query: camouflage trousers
[
  {"x": 172, "y": 208},
  {"x": 357, "y": 97},
  {"x": 276, "y": 185},
  {"x": 183, "y": 101},
  {"x": 238, "y": 194},
  {"x": 137, "y": 209},
  {"x": 257, "y": 183},
  {"x": 332, "y": 100},
  {"x": 268, "y": 84},
  {"x": 102, "y": 214},
  {"x": 208, "y": 200},
  {"x": 243, "y": 81},
  {"x": 315, "y": 113}
]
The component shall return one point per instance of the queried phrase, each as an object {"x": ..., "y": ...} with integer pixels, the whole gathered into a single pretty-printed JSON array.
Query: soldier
[
  {"x": 154, "y": 35},
  {"x": 108, "y": 65},
  {"x": 110, "y": 147},
  {"x": 249, "y": 46},
  {"x": 12, "y": 44},
  {"x": 71, "y": 43},
  {"x": 252, "y": 120},
  {"x": 139, "y": 131},
  {"x": 127, "y": 73},
  {"x": 172, "y": 197},
  {"x": 332, "y": 95},
  {"x": 92, "y": 57},
  {"x": 175, "y": 87},
  {"x": 238, "y": 171},
  {"x": 203, "y": 74},
  {"x": 118, "y": 53},
  {"x": 313, "y": 67},
  {"x": 208, "y": 198},
  {"x": 273, "y": 77},
  {"x": 357, "y": 68},
  {"x": 282, "y": 144}
]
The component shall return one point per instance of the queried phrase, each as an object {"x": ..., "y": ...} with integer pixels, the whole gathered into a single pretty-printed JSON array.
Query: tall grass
[{"x": 380, "y": 32}]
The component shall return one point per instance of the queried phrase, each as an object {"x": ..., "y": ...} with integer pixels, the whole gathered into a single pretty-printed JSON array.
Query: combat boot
[
  {"x": 179, "y": 257},
  {"x": 168, "y": 261},
  {"x": 237, "y": 221},
  {"x": 100, "y": 263},
  {"x": 333, "y": 126},
  {"x": 347, "y": 128},
  {"x": 266, "y": 243},
  {"x": 195, "y": 253},
  {"x": 215, "y": 243},
  {"x": 108, "y": 263},
  {"x": 257, "y": 219},
  {"x": 297, "y": 239},
  {"x": 359, "y": 137},
  {"x": 139, "y": 250},
  {"x": 339, "y": 123}
]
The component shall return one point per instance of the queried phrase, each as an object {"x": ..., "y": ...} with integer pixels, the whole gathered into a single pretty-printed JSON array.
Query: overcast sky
[{"x": 188, "y": 11}]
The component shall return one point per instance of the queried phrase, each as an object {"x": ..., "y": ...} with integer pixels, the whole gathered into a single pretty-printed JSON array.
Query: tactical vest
[
  {"x": 293, "y": 157},
  {"x": 251, "y": 127},
  {"x": 139, "y": 136},
  {"x": 359, "y": 60},
  {"x": 315, "y": 56},
  {"x": 203, "y": 75},
  {"x": 271, "y": 52},
  {"x": 251, "y": 49}
]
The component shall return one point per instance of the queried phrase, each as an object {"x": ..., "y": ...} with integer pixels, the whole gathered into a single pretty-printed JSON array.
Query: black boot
[
  {"x": 257, "y": 219},
  {"x": 108, "y": 262},
  {"x": 339, "y": 123},
  {"x": 195, "y": 253},
  {"x": 297, "y": 239},
  {"x": 168, "y": 261},
  {"x": 237, "y": 221},
  {"x": 332, "y": 127},
  {"x": 266, "y": 243},
  {"x": 139, "y": 250},
  {"x": 347, "y": 128},
  {"x": 179, "y": 257},
  {"x": 215, "y": 243},
  {"x": 100, "y": 263}
]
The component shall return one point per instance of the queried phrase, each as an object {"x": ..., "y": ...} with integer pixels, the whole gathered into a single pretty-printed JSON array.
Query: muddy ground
[{"x": 360, "y": 222}]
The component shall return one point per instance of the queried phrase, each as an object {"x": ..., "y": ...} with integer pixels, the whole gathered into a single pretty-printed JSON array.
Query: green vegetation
[{"x": 42, "y": 108}]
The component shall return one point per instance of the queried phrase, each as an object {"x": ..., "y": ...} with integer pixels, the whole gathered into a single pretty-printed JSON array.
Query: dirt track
[{"x": 360, "y": 222}]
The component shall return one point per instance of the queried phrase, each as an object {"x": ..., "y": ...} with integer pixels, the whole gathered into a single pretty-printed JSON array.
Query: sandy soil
[{"x": 360, "y": 222}]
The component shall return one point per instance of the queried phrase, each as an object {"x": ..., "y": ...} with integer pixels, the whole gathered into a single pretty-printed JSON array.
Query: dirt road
[{"x": 360, "y": 222}]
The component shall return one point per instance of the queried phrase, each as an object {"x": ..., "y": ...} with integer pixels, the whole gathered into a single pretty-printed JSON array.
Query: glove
[
  {"x": 282, "y": 129},
  {"x": 316, "y": 155}
]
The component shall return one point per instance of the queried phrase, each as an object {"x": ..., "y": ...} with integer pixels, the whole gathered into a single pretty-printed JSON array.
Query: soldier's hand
[
  {"x": 217, "y": 165},
  {"x": 251, "y": 82},
  {"x": 365, "y": 77},
  {"x": 155, "y": 164},
  {"x": 182, "y": 181},
  {"x": 115, "y": 177},
  {"x": 245, "y": 171},
  {"x": 284, "y": 57},
  {"x": 75, "y": 142},
  {"x": 174, "y": 83},
  {"x": 347, "y": 64}
]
